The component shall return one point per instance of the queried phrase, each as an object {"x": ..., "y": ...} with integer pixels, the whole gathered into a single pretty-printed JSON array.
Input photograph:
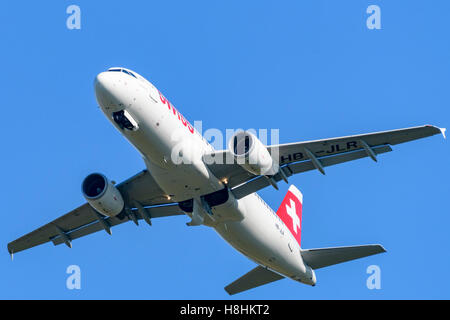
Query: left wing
[
  {"x": 313, "y": 155},
  {"x": 85, "y": 220}
]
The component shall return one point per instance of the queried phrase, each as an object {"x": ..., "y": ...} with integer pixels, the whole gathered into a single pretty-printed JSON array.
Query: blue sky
[{"x": 310, "y": 68}]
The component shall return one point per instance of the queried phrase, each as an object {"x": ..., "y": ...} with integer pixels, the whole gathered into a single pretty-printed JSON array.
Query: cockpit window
[
  {"x": 128, "y": 72},
  {"x": 124, "y": 71}
]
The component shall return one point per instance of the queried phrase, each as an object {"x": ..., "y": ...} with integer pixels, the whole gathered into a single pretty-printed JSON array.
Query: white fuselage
[{"x": 161, "y": 134}]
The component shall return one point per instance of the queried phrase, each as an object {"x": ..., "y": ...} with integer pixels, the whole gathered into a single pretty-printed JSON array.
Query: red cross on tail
[{"x": 290, "y": 212}]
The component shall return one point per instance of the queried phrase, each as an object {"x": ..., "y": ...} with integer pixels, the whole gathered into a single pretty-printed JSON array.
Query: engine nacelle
[
  {"x": 251, "y": 154},
  {"x": 102, "y": 195}
]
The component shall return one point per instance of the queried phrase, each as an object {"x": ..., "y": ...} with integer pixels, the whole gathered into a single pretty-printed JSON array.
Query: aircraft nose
[{"x": 104, "y": 86}]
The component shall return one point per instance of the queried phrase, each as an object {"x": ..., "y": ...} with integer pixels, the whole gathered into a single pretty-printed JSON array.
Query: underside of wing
[
  {"x": 84, "y": 220},
  {"x": 299, "y": 157},
  {"x": 293, "y": 152}
]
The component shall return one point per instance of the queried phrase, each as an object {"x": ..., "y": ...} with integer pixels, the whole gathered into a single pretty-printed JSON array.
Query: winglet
[
  {"x": 11, "y": 253},
  {"x": 443, "y": 130}
]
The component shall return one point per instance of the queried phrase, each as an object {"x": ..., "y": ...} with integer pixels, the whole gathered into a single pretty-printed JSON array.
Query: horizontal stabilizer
[
  {"x": 321, "y": 258},
  {"x": 255, "y": 278}
]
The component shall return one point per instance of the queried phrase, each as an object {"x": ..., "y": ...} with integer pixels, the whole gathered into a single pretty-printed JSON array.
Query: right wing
[
  {"x": 255, "y": 278},
  {"x": 325, "y": 257},
  {"x": 85, "y": 220},
  {"x": 304, "y": 156}
]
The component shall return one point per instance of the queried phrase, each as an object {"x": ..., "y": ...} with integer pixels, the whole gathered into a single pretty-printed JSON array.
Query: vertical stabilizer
[{"x": 290, "y": 212}]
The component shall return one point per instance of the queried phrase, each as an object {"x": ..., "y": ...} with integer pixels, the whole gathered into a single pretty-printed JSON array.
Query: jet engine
[
  {"x": 102, "y": 195},
  {"x": 251, "y": 154}
]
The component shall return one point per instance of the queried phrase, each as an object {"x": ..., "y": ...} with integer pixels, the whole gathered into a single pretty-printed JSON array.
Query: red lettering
[
  {"x": 176, "y": 113},
  {"x": 173, "y": 108},
  {"x": 163, "y": 99},
  {"x": 183, "y": 121}
]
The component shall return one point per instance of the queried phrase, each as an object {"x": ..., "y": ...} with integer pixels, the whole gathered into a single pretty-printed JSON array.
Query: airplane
[{"x": 214, "y": 188}]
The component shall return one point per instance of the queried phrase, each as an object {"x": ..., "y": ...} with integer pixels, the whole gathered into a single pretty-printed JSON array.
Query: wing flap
[
  {"x": 255, "y": 278},
  {"x": 321, "y": 258}
]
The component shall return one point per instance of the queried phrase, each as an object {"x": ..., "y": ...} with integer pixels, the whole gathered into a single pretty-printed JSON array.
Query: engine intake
[
  {"x": 251, "y": 154},
  {"x": 102, "y": 195}
]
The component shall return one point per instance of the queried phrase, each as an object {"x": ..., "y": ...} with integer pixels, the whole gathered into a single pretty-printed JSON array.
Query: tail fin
[{"x": 290, "y": 212}]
